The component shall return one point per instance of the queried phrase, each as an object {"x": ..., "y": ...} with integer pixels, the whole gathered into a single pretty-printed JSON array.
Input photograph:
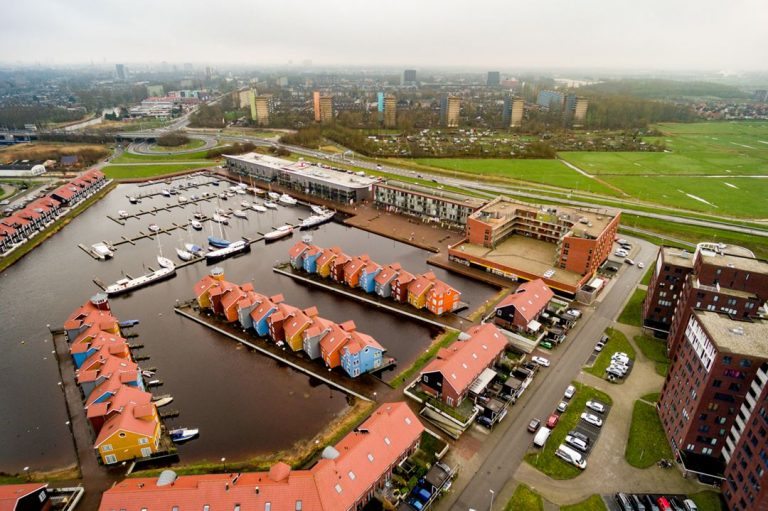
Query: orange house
[
  {"x": 353, "y": 269},
  {"x": 217, "y": 295},
  {"x": 442, "y": 298},
  {"x": 332, "y": 343},
  {"x": 277, "y": 321},
  {"x": 205, "y": 285},
  {"x": 231, "y": 299},
  {"x": 419, "y": 289}
]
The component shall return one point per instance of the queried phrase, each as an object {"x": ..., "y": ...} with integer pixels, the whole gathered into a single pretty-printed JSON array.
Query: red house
[
  {"x": 521, "y": 309},
  {"x": 442, "y": 298},
  {"x": 400, "y": 286},
  {"x": 338, "y": 265}
]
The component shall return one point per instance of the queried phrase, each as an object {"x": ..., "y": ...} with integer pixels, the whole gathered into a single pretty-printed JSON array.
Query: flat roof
[
  {"x": 677, "y": 256},
  {"x": 307, "y": 169},
  {"x": 586, "y": 221},
  {"x": 733, "y": 261},
  {"x": 465, "y": 200},
  {"x": 731, "y": 336},
  {"x": 529, "y": 255}
]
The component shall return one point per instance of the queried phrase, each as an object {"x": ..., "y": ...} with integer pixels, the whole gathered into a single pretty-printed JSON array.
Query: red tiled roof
[
  {"x": 100, "y": 340},
  {"x": 232, "y": 296},
  {"x": 204, "y": 284},
  {"x": 222, "y": 288},
  {"x": 359, "y": 340},
  {"x": 313, "y": 249},
  {"x": 11, "y": 493},
  {"x": 297, "y": 249},
  {"x": 264, "y": 307},
  {"x": 109, "y": 365},
  {"x": 422, "y": 284},
  {"x": 441, "y": 288},
  {"x": 124, "y": 396},
  {"x": 296, "y": 323},
  {"x": 388, "y": 273},
  {"x": 529, "y": 298},
  {"x": 372, "y": 267},
  {"x": 327, "y": 255},
  {"x": 403, "y": 277},
  {"x": 318, "y": 325},
  {"x": 65, "y": 192},
  {"x": 463, "y": 361},
  {"x": 355, "y": 264},
  {"x": 334, "y": 340},
  {"x": 127, "y": 420}
]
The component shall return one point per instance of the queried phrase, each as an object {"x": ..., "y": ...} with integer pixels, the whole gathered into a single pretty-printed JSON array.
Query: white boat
[
  {"x": 316, "y": 220},
  {"x": 154, "y": 227},
  {"x": 223, "y": 196},
  {"x": 240, "y": 191},
  {"x": 273, "y": 195},
  {"x": 234, "y": 248},
  {"x": 183, "y": 434},
  {"x": 287, "y": 200},
  {"x": 199, "y": 215},
  {"x": 166, "y": 192},
  {"x": 125, "y": 285},
  {"x": 257, "y": 191},
  {"x": 280, "y": 232},
  {"x": 220, "y": 219},
  {"x": 239, "y": 213},
  {"x": 182, "y": 199},
  {"x": 270, "y": 204},
  {"x": 197, "y": 225},
  {"x": 245, "y": 204},
  {"x": 122, "y": 213},
  {"x": 164, "y": 262},
  {"x": 230, "y": 194},
  {"x": 191, "y": 247},
  {"x": 163, "y": 401},
  {"x": 133, "y": 200},
  {"x": 102, "y": 251},
  {"x": 184, "y": 255},
  {"x": 318, "y": 210},
  {"x": 259, "y": 208}
]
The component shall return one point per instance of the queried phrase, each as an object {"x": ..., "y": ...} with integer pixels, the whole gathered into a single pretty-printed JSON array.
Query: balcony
[{"x": 751, "y": 400}]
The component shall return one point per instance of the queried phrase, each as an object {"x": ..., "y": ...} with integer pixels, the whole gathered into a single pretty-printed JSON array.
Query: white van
[
  {"x": 541, "y": 437},
  {"x": 571, "y": 456}
]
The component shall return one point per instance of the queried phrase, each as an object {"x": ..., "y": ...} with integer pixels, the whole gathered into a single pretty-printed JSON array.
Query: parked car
[
  {"x": 622, "y": 499},
  {"x": 650, "y": 504},
  {"x": 541, "y": 361},
  {"x": 485, "y": 421},
  {"x": 637, "y": 503},
  {"x": 576, "y": 443},
  {"x": 622, "y": 241},
  {"x": 570, "y": 391},
  {"x": 575, "y": 313},
  {"x": 617, "y": 370},
  {"x": 629, "y": 261},
  {"x": 591, "y": 418},
  {"x": 415, "y": 504},
  {"x": 552, "y": 421},
  {"x": 621, "y": 253},
  {"x": 531, "y": 366},
  {"x": 533, "y": 426},
  {"x": 599, "y": 346},
  {"x": 581, "y": 436},
  {"x": 641, "y": 265},
  {"x": 690, "y": 505},
  {"x": 562, "y": 406},
  {"x": 663, "y": 504},
  {"x": 596, "y": 406},
  {"x": 676, "y": 504},
  {"x": 546, "y": 345}
]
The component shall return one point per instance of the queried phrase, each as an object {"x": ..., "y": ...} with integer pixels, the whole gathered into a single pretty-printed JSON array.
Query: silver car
[{"x": 591, "y": 418}]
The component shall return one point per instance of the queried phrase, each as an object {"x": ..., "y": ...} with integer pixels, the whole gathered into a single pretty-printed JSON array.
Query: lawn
[
  {"x": 647, "y": 443},
  {"x": 525, "y": 498},
  {"x": 655, "y": 350},
  {"x": 193, "y": 143},
  {"x": 708, "y": 501},
  {"x": 441, "y": 341},
  {"x": 548, "y": 172},
  {"x": 652, "y": 397},
  {"x": 545, "y": 460},
  {"x": 648, "y": 274},
  {"x": 633, "y": 311},
  {"x": 593, "y": 503},
  {"x": 150, "y": 170},
  {"x": 159, "y": 158},
  {"x": 618, "y": 342}
]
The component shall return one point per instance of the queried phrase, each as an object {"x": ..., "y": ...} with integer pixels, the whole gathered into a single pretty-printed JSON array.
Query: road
[{"x": 497, "y": 460}]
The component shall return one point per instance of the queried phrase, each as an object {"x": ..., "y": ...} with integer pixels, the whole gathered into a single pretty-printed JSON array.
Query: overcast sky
[{"x": 728, "y": 35}]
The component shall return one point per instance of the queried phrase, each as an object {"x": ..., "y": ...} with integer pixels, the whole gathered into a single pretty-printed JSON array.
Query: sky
[{"x": 719, "y": 35}]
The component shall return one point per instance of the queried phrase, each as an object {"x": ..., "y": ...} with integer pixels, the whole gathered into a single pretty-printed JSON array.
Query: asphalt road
[{"x": 505, "y": 447}]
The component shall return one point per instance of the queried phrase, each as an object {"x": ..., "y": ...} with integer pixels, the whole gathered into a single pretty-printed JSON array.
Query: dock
[{"x": 447, "y": 322}]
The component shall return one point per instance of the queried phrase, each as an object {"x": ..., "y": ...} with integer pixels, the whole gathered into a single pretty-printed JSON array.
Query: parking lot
[
  {"x": 592, "y": 432},
  {"x": 675, "y": 501}
]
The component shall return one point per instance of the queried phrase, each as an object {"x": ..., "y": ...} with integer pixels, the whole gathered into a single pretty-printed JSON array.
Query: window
[
  {"x": 337, "y": 488},
  {"x": 143, "y": 440},
  {"x": 106, "y": 447},
  {"x": 268, "y": 505},
  {"x": 298, "y": 505},
  {"x": 351, "y": 475},
  {"x": 727, "y": 360}
]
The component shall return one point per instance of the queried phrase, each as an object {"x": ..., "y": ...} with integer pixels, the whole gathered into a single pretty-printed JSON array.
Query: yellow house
[
  {"x": 325, "y": 261},
  {"x": 418, "y": 289},
  {"x": 133, "y": 433}
]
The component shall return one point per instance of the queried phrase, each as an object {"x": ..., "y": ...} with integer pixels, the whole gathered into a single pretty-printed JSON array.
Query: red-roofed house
[
  {"x": 314, "y": 334},
  {"x": 263, "y": 311},
  {"x": 325, "y": 261},
  {"x": 80, "y": 351},
  {"x": 99, "y": 413},
  {"x": 101, "y": 383},
  {"x": 400, "y": 285},
  {"x": 203, "y": 289},
  {"x": 133, "y": 432},
  {"x": 230, "y": 300},
  {"x": 338, "y": 266},
  {"x": 24, "y": 497},
  {"x": 450, "y": 375},
  {"x": 333, "y": 341},
  {"x": 384, "y": 279},
  {"x": 521, "y": 309},
  {"x": 277, "y": 321},
  {"x": 246, "y": 306},
  {"x": 295, "y": 325},
  {"x": 442, "y": 298},
  {"x": 361, "y": 354},
  {"x": 77, "y": 322},
  {"x": 296, "y": 255},
  {"x": 218, "y": 293},
  {"x": 418, "y": 289},
  {"x": 353, "y": 269}
]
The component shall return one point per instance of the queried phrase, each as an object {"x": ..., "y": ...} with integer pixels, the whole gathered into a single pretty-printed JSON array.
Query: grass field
[
  {"x": 525, "y": 498},
  {"x": 633, "y": 311},
  {"x": 593, "y": 503},
  {"x": 159, "y": 158},
  {"x": 708, "y": 501},
  {"x": 618, "y": 343},
  {"x": 150, "y": 170},
  {"x": 655, "y": 350},
  {"x": 647, "y": 443},
  {"x": 652, "y": 397},
  {"x": 193, "y": 143},
  {"x": 548, "y": 172}
]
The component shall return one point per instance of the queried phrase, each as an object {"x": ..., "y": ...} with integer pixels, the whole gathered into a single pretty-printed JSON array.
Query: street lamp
[
  {"x": 26, "y": 473},
  {"x": 493, "y": 494},
  {"x": 224, "y": 463}
]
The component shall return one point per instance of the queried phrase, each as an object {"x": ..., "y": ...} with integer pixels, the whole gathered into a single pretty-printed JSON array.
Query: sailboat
[
  {"x": 184, "y": 255},
  {"x": 259, "y": 208},
  {"x": 164, "y": 262},
  {"x": 196, "y": 225},
  {"x": 218, "y": 242},
  {"x": 287, "y": 200},
  {"x": 239, "y": 213},
  {"x": 270, "y": 204}
]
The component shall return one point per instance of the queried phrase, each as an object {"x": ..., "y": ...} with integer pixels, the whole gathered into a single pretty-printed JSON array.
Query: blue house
[
  {"x": 296, "y": 255},
  {"x": 361, "y": 354},
  {"x": 261, "y": 314},
  {"x": 310, "y": 258},
  {"x": 368, "y": 277},
  {"x": 100, "y": 384}
]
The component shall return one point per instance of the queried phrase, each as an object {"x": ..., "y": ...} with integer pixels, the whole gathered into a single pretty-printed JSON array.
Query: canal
[{"x": 244, "y": 404}]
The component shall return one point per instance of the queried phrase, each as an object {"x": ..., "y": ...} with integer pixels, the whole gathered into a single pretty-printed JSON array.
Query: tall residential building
[
  {"x": 514, "y": 109},
  {"x": 323, "y": 107},
  {"x": 580, "y": 111},
  {"x": 551, "y": 99},
  {"x": 709, "y": 395},
  {"x": 409, "y": 77},
  {"x": 390, "y": 111},
  {"x": 380, "y": 104},
  {"x": 244, "y": 97},
  {"x": 494, "y": 79},
  {"x": 450, "y": 107},
  {"x": 120, "y": 72},
  {"x": 260, "y": 109}
]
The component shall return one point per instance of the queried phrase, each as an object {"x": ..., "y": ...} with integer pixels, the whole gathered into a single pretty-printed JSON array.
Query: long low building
[{"x": 303, "y": 177}]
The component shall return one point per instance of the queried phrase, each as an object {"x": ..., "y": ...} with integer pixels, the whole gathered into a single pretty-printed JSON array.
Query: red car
[
  {"x": 552, "y": 421},
  {"x": 664, "y": 504}
]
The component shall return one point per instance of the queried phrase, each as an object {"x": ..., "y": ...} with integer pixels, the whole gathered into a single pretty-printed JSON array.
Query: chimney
[
  {"x": 257, "y": 490},
  {"x": 226, "y": 487}
]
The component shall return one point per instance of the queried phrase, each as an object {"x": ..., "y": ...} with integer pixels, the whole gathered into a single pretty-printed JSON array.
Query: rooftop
[
  {"x": 457, "y": 198},
  {"x": 740, "y": 262},
  {"x": 677, "y": 256},
  {"x": 739, "y": 337}
]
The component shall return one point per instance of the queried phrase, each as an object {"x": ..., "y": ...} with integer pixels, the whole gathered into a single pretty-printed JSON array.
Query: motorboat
[
  {"x": 314, "y": 220},
  {"x": 318, "y": 210},
  {"x": 183, "y": 434},
  {"x": 245, "y": 204},
  {"x": 197, "y": 225},
  {"x": 220, "y": 219},
  {"x": 239, "y": 213},
  {"x": 233, "y": 248},
  {"x": 199, "y": 215},
  {"x": 287, "y": 200},
  {"x": 193, "y": 197},
  {"x": 173, "y": 191},
  {"x": 230, "y": 193},
  {"x": 184, "y": 255},
  {"x": 223, "y": 196},
  {"x": 133, "y": 200},
  {"x": 182, "y": 199},
  {"x": 154, "y": 383},
  {"x": 163, "y": 401},
  {"x": 280, "y": 232},
  {"x": 221, "y": 212},
  {"x": 164, "y": 262},
  {"x": 240, "y": 191},
  {"x": 154, "y": 227},
  {"x": 122, "y": 213},
  {"x": 273, "y": 195},
  {"x": 166, "y": 192},
  {"x": 270, "y": 204},
  {"x": 128, "y": 323},
  {"x": 102, "y": 251},
  {"x": 146, "y": 373},
  {"x": 218, "y": 242},
  {"x": 126, "y": 285},
  {"x": 192, "y": 248},
  {"x": 259, "y": 208}
]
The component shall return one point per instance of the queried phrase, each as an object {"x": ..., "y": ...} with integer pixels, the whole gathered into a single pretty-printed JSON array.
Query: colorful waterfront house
[
  {"x": 102, "y": 384},
  {"x": 332, "y": 343},
  {"x": 418, "y": 289},
  {"x": 95, "y": 311},
  {"x": 99, "y": 413},
  {"x": 442, "y": 298},
  {"x": 230, "y": 300},
  {"x": 361, "y": 354},
  {"x": 449, "y": 376},
  {"x": 25, "y": 497},
  {"x": 116, "y": 344},
  {"x": 325, "y": 261},
  {"x": 246, "y": 306},
  {"x": 217, "y": 295},
  {"x": 312, "y": 336},
  {"x": 132, "y": 433},
  {"x": 400, "y": 286},
  {"x": 295, "y": 326},
  {"x": 263, "y": 311},
  {"x": 368, "y": 277},
  {"x": 521, "y": 309},
  {"x": 354, "y": 268},
  {"x": 384, "y": 279},
  {"x": 99, "y": 356},
  {"x": 310, "y": 258},
  {"x": 205, "y": 285},
  {"x": 296, "y": 255},
  {"x": 277, "y": 321},
  {"x": 338, "y": 265}
]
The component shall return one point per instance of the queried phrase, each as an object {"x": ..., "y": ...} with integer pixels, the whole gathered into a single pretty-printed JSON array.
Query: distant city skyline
[{"x": 654, "y": 35}]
